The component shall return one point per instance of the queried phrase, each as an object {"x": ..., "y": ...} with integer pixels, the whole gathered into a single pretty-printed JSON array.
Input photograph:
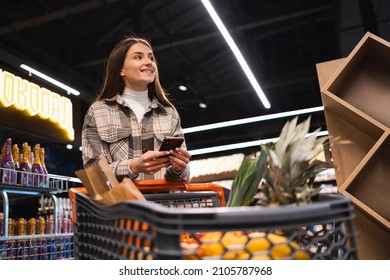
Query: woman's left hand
[{"x": 179, "y": 159}]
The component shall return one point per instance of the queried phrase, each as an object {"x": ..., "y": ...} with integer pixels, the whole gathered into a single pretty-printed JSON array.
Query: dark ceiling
[{"x": 282, "y": 40}]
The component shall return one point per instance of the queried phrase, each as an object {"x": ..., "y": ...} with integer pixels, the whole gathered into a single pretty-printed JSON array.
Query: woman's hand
[
  {"x": 179, "y": 158},
  {"x": 150, "y": 162}
]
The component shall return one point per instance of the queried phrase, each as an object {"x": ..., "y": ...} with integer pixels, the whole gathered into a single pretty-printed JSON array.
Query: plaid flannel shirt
[{"x": 112, "y": 129}]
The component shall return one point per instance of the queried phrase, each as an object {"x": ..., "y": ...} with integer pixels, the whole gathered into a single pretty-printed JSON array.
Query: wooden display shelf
[{"x": 355, "y": 92}]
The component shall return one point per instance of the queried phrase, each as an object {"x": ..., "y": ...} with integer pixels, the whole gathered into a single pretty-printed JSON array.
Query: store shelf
[
  {"x": 356, "y": 95},
  {"x": 37, "y": 247},
  {"x": 45, "y": 246}
]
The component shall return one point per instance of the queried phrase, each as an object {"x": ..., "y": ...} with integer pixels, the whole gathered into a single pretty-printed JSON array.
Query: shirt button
[{"x": 143, "y": 130}]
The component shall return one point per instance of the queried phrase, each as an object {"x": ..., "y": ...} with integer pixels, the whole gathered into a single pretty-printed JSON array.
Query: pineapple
[
  {"x": 283, "y": 172},
  {"x": 292, "y": 166}
]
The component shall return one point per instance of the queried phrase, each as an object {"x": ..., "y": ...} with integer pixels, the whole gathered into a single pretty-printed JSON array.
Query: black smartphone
[{"x": 171, "y": 143}]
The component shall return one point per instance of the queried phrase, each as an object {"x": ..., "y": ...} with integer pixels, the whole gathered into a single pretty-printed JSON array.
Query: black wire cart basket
[{"x": 192, "y": 225}]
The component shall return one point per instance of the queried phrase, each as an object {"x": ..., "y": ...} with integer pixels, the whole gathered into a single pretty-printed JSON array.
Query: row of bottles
[
  {"x": 25, "y": 169},
  {"x": 47, "y": 247},
  {"x": 46, "y": 207}
]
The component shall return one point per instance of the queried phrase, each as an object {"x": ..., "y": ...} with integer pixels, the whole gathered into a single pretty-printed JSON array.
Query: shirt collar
[{"x": 119, "y": 99}]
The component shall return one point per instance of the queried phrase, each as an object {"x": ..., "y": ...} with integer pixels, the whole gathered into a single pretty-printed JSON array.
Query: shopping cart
[{"x": 148, "y": 230}]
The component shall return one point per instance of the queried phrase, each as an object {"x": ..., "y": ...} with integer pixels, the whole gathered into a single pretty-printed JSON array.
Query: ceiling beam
[
  {"x": 73, "y": 10},
  {"x": 368, "y": 16}
]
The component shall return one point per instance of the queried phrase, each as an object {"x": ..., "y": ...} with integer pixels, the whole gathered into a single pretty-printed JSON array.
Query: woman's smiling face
[{"x": 139, "y": 68}]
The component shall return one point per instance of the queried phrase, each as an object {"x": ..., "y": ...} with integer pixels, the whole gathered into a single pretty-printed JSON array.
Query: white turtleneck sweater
[{"x": 137, "y": 100}]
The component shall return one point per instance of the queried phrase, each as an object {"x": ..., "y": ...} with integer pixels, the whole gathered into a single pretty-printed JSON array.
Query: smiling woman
[
  {"x": 139, "y": 67},
  {"x": 131, "y": 116}
]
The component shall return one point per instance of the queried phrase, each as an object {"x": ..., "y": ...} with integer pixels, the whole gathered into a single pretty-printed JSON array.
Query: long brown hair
[{"x": 113, "y": 82}]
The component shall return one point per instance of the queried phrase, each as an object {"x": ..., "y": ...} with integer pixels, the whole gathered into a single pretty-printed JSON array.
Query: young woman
[{"x": 131, "y": 116}]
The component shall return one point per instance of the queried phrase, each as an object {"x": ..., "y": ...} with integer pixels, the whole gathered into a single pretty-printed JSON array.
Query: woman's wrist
[{"x": 132, "y": 173}]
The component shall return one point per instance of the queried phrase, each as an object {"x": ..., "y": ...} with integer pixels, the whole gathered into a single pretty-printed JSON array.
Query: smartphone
[{"x": 171, "y": 143}]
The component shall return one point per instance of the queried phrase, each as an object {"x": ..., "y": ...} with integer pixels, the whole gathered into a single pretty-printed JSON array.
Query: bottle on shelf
[
  {"x": 25, "y": 168},
  {"x": 51, "y": 241},
  {"x": 1, "y": 225},
  {"x": 2, "y": 153},
  {"x": 23, "y": 244},
  {"x": 45, "y": 178},
  {"x": 11, "y": 244},
  {"x": 36, "y": 168},
  {"x": 8, "y": 165},
  {"x": 2, "y": 243},
  {"x": 30, "y": 156},
  {"x": 20, "y": 156},
  {"x": 15, "y": 155},
  {"x": 42, "y": 244},
  {"x": 33, "y": 253}
]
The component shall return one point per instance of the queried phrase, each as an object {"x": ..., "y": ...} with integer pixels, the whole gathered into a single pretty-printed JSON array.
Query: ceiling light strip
[
  {"x": 236, "y": 52},
  {"x": 251, "y": 120},
  {"x": 241, "y": 145},
  {"x": 68, "y": 89}
]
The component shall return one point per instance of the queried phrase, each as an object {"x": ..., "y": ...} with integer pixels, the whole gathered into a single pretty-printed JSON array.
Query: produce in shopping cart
[
  {"x": 240, "y": 245},
  {"x": 283, "y": 172}
]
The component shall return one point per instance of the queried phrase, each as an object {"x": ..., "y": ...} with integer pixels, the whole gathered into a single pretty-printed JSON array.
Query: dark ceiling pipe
[{"x": 368, "y": 16}]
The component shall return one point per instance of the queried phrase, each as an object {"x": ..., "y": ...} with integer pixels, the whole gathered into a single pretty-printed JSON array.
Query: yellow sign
[{"x": 35, "y": 100}]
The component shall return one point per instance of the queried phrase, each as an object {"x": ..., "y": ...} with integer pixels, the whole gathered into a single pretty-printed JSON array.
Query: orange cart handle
[{"x": 160, "y": 185}]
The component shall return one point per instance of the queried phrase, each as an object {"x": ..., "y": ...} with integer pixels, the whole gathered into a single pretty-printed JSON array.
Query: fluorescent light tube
[
  {"x": 68, "y": 89},
  {"x": 251, "y": 120},
  {"x": 210, "y": 9},
  {"x": 241, "y": 145}
]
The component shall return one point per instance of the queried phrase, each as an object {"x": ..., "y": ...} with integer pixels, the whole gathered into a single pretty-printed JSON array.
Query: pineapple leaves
[
  {"x": 247, "y": 180},
  {"x": 284, "y": 172}
]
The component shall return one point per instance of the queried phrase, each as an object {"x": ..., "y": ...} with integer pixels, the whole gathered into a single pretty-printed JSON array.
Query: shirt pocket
[{"x": 114, "y": 134}]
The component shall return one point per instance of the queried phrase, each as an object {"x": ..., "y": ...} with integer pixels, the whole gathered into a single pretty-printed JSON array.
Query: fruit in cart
[
  {"x": 234, "y": 238},
  {"x": 237, "y": 245},
  {"x": 292, "y": 166},
  {"x": 214, "y": 249},
  {"x": 247, "y": 180},
  {"x": 187, "y": 238},
  {"x": 301, "y": 254},
  {"x": 210, "y": 236},
  {"x": 258, "y": 244},
  {"x": 236, "y": 255},
  {"x": 283, "y": 172},
  {"x": 278, "y": 246}
]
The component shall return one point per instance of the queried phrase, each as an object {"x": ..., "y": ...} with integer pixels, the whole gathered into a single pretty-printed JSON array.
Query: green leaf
[{"x": 246, "y": 181}]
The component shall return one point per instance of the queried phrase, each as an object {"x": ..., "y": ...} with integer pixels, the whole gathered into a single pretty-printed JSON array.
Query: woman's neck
[
  {"x": 136, "y": 95},
  {"x": 137, "y": 100}
]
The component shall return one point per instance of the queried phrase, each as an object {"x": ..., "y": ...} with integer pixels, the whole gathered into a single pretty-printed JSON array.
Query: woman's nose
[{"x": 148, "y": 60}]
